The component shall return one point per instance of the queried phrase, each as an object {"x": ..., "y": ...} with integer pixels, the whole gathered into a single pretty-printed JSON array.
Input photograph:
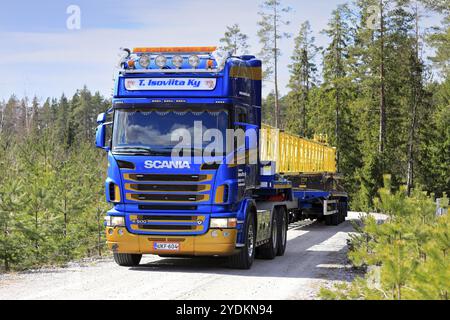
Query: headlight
[
  {"x": 161, "y": 61},
  {"x": 194, "y": 61},
  {"x": 114, "y": 221},
  {"x": 144, "y": 61},
  {"x": 223, "y": 223},
  {"x": 177, "y": 61}
]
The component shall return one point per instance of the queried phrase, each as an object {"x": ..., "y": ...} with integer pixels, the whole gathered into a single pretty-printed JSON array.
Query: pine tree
[
  {"x": 267, "y": 109},
  {"x": 336, "y": 75},
  {"x": 409, "y": 251},
  {"x": 235, "y": 41},
  {"x": 303, "y": 77},
  {"x": 51, "y": 187},
  {"x": 270, "y": 34},
  {"x": 440, "y": 40}
]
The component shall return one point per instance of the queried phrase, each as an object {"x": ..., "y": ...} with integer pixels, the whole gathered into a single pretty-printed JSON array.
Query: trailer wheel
[
  {"x": 282, "y": 231},
  {"x": 244, "y": 259},
  {"x": 332, "y": 219},
  {"x": 269, "y": 250},
  {"x": 342, "y": 214},
  {"x": 127, "y": 260}
]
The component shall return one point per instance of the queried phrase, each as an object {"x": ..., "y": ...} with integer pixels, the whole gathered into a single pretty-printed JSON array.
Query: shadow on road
[{"x": 307, "y": 256}]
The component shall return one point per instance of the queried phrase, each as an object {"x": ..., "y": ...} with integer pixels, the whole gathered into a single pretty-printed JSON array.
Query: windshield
[{"x": 150, "y": 131}]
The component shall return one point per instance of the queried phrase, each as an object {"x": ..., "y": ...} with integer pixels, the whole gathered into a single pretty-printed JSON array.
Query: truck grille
[
  {"x": 162, "y": 207},
  {"x": 166, "y": 197},
  {"x": 159, "y": 193},
  {"x": 169, "y": 177},
  {"x": 168, "y": 227},
  {"x": 167, "y": 188},
  {"x": 167, "y": 224}
]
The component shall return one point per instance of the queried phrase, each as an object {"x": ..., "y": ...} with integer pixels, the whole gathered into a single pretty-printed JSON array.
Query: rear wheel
[
  {"x": 244, "y": 259},
  {"x": 269, "y": 250},
  {"x": 335, "y": 218},
  {"x": 341, "y": 212},
  {"x": 127, "y": 260},
  {"x": 282, "y": 231}
]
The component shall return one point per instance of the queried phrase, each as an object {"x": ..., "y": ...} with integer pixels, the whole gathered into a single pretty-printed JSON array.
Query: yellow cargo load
[{"x": 294, "y": 154}]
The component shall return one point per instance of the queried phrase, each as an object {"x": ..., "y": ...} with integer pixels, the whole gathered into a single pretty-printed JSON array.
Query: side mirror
[
  {"x": 100, "y": 137},
  {"x": 101, "y": 118}
]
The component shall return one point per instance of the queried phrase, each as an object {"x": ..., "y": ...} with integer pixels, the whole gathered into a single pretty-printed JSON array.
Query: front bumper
[{"x": 216, "y": 242}]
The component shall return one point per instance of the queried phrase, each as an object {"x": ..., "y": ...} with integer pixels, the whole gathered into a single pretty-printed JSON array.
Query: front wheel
[
  {"x": 127, "y": 260},
  {"x": 244, "y": 259}
]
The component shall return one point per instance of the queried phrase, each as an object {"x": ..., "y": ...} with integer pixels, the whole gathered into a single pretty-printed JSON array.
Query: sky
[{"x": 42, "y": 57}]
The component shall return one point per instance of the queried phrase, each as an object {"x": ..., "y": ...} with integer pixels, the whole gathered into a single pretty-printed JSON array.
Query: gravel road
[{"x": 315, "y": 256}]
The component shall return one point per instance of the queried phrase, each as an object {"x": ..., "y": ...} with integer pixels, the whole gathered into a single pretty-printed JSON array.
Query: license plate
[{"x": 166, "y": 246}]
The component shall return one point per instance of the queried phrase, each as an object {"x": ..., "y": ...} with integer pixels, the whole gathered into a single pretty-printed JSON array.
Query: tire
[
  {"x": 332, "y": 220},
  {"x": 282, "y": 231},
  {"x": 269, "y": 250},
  {"x": 342, "y": 212},
  {"x": 127, "y": 260},
  {"x": 244, "y": 259}
]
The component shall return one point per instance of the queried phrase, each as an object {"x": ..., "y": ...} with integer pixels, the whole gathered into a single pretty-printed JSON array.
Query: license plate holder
[{"x": 166, "y": 246}]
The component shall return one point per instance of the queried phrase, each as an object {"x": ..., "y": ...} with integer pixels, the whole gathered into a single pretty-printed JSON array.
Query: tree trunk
[
  {"x": 275, "y": 53},
  {"x": 416, "y": 100},
  {"x": 382, "y": 132},
  {"x": 5, "y": 248},
  {"x": 305, "y": 90},
  {"x": 338, "y": 104},
  {"x": 99, "y": 230}
]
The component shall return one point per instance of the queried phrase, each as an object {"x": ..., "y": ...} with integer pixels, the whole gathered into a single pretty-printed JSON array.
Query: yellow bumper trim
[{"x": 214, "y": 242}]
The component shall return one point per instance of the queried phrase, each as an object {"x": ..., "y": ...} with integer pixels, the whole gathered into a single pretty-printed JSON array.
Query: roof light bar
[{"x": 174, "y": 50}]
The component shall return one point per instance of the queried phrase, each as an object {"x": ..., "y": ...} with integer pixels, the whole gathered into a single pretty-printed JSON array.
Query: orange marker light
[
  {"x": 174, "y": 49},
  {"x": 131, "y": 64},
  {"x": 210, "y": 64}
]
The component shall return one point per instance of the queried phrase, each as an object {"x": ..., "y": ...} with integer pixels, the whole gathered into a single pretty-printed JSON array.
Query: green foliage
[
  {"x": 440, "y": 39},
  {"x": 407, "y": 256},
  {"x": 270, "y": 33},
  {"x": 346, "y": 103},
  {"x": 303, "y": 77},
  {"x": 235, "y": 41},
  {"x": 51, "y": 187}
]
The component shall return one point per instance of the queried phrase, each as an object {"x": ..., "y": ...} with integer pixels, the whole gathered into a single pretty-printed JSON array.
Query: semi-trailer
[{"x": 192, "y": 171}]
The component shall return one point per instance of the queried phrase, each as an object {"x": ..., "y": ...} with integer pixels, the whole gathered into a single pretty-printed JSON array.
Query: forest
[{"x": 380, "y": 90}]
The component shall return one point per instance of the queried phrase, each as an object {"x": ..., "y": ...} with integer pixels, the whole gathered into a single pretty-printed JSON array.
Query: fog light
[
  {"x": 177, "y": 61},
  {"x": 194, "y": 61},
  {"x": 161, "y": 61},
  {"x": 144, "y": 61}
]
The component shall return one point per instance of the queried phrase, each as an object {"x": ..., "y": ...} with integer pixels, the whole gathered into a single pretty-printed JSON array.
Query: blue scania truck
[{"x": 200, "y": 206}]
